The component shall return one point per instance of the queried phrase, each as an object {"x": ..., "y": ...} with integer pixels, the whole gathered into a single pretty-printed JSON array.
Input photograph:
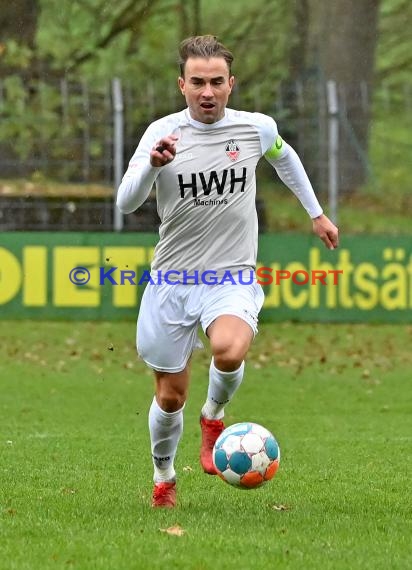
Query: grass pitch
[{"x": 76, "y": 473}]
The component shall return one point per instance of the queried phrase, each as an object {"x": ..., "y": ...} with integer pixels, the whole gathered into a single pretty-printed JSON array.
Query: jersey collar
[{"x": 205, "y": 126}]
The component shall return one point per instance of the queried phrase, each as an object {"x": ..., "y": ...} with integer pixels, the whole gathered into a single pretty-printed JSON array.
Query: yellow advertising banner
[{"x": 103, "y": 275}]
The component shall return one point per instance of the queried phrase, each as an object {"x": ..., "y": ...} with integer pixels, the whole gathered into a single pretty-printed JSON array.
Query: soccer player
[{"x": 203, "y": 161}]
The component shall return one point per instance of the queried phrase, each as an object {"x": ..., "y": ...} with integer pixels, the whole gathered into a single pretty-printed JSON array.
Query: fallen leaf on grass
[
  {"x": 187, "y": 468},
  {"x": 263, "y": 357},
  {"x": 280, "y": 508},
  {"x": 174, "y": 530},
  {"x": 95, "y": 355},
  {"x": 68, "y": 491},
  {"x": 60, "y": 366}
]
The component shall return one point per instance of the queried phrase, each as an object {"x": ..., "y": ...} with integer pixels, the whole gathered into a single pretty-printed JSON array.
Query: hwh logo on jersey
[{"x": 198, "y": 181}]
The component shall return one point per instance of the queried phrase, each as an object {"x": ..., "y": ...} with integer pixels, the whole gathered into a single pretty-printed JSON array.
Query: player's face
[{"x": 206, "y": 86}]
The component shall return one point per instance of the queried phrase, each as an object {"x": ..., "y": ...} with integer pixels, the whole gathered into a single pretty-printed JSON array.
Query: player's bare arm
[
  {"x": 164, "y": 151},
  {"x": 326, "y": 230}
]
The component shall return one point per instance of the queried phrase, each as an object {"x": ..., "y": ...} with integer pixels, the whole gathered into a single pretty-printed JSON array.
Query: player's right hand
[{"x": 163, "y": 151}]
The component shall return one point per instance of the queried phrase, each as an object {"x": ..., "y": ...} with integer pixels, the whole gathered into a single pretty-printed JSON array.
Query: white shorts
[{"x": 170, "y": 315}]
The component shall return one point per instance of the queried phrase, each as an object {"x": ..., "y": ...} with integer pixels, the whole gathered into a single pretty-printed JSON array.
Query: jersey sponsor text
[{"x": 198, "y": 181}]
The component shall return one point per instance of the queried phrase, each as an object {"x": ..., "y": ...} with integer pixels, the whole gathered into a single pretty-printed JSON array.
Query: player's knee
[
  {"x": 170, "y": 396},
  {"x": 230, "y": 357},
  {"x": 170, "y": 402}
]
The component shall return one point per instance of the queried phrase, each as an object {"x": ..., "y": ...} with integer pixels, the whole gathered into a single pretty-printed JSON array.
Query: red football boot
[
  {"x": 164, "y": 495},
  {"x": 211, "y": 429}
]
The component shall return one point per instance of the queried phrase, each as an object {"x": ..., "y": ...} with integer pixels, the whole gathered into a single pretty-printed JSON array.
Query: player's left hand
[{"x": 326, "y": 230}]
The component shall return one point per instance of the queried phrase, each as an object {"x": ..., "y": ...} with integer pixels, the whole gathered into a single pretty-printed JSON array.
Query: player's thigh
[
  {"x": 243, "y": 301},
  {"x": 230, "y": 317}
]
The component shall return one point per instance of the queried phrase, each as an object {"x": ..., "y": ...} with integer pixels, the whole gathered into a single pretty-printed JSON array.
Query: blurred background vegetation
[{"x": 58, "y": 61}]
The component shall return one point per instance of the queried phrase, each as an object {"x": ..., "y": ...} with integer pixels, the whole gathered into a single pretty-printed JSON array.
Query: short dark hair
[{"x": 203, "y": 46}]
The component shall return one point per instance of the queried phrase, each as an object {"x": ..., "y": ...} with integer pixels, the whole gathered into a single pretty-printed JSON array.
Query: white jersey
[{"x": 206, "y": 195}]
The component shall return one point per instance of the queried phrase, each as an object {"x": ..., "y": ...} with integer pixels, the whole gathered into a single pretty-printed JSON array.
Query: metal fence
[
  {"x": 80, "y": 133},
  {"x": 68, "y": 214}
]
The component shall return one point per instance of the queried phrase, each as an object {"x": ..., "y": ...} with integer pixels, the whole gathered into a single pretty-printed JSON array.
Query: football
[{"x": 246, "y": 455}]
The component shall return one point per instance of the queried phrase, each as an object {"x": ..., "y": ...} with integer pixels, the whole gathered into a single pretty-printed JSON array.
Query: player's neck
[{"x": 205, "y": 126}]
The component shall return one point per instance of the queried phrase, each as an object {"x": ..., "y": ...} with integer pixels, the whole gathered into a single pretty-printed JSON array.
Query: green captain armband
[{"x": 276, "y": 149}]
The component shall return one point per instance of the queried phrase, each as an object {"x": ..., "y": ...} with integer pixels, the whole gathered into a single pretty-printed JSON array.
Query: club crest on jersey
[{"x": 232, "y": 150}]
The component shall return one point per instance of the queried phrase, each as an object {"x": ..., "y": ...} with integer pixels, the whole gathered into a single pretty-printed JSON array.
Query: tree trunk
[
  {"x": 190, "y": 18},
  {"x": 18, "y": 21},
  {"x": 298, "y": 51},
  {"x": 344, "y": 42}
]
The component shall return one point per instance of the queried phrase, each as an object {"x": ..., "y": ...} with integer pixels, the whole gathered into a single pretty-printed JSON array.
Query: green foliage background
[{"x": 92, "y": 41}]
